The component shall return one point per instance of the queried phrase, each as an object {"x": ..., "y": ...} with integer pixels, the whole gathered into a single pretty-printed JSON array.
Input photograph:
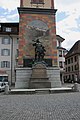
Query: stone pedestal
[
  {"x": 39, "y": 77},
  {"x": 48, "y": 78},
  {"x": 22, "y": 77},
  {"x": 53, "y": 74}
]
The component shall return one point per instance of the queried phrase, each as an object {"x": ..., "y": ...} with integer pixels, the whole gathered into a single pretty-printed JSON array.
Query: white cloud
[
  {"x": 64, "y": 27},
  {"x": 3, "y": 19},
  {"x": 9, "y": 4},
  {"x": 12, "y": 16},
  {"x": 9, "y": 18}
]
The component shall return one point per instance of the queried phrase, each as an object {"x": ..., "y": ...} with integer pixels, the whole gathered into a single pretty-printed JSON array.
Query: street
[{"x": 60, "y": 106}]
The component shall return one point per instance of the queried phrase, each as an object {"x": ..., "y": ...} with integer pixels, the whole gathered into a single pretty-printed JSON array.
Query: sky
[{"x": 67, "y": 18}]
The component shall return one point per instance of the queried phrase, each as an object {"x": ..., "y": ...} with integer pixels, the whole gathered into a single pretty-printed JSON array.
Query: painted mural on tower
[{"x": 37, "y": 29}]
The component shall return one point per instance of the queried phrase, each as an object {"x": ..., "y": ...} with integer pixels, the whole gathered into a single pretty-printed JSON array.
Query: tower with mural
[{"x": 37, "y": 21}]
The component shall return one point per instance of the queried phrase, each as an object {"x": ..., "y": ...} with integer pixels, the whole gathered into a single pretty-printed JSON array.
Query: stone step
[
  {"x": 41, "y": 91},
  {"x": 40, "y": 84},
  {"x": 39, "y": 80}
]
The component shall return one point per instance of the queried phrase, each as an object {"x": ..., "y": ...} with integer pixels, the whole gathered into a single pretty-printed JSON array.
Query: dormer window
[{"x": 8, "y": 29}]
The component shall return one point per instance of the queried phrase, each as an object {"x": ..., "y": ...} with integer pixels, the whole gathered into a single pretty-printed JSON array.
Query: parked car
[
  {"x": 6, "y": 81},
  {"x": 2, "y": 86}
]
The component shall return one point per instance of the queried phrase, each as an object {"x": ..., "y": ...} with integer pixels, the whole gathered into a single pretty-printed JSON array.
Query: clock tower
[{"x": 37, "y": 21}]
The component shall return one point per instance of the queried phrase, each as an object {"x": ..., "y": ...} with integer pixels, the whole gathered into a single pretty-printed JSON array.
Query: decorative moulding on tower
[{"x": 37, "y": 11}]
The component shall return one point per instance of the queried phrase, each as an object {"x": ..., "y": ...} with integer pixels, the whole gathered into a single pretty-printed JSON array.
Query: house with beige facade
[{"x": 8, "y": 50}]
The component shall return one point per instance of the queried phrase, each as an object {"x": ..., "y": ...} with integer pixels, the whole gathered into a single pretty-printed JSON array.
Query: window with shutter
[
  {"x": 5, "y": 52},
  {"x": 5, "y": 64},
  {"x": 5, "y": 40}
]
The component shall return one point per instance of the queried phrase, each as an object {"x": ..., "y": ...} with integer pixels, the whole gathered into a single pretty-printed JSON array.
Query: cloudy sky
[{"x": 67, "y": 18}]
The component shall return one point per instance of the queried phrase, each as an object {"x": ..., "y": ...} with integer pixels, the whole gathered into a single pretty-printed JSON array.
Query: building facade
[
  {"x": 8, "y": 50},
  {"x": 61, "y": 57},
  {"x": 9, "y": 40},
  {"x": 72, "y": 63}
]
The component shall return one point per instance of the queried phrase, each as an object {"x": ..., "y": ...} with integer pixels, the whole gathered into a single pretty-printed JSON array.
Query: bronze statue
[{"x": 39, "y": 50}]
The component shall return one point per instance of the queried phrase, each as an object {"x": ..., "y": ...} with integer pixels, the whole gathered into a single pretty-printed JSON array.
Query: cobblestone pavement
[{"x": 62, "y": 106}]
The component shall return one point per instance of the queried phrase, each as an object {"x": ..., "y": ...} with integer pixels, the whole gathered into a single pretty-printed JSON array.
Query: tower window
[{"x": 37, "y": 1}]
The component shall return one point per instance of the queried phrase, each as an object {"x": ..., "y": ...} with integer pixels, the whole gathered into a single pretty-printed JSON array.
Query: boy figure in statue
[{"x": 39, "y": 50}]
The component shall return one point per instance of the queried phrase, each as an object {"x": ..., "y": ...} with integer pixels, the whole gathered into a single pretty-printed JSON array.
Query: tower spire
[{"x": 52, "y": 4}]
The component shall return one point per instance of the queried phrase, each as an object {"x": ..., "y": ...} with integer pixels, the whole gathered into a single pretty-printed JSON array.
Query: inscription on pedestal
[{"x": 39, "y": 77}]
